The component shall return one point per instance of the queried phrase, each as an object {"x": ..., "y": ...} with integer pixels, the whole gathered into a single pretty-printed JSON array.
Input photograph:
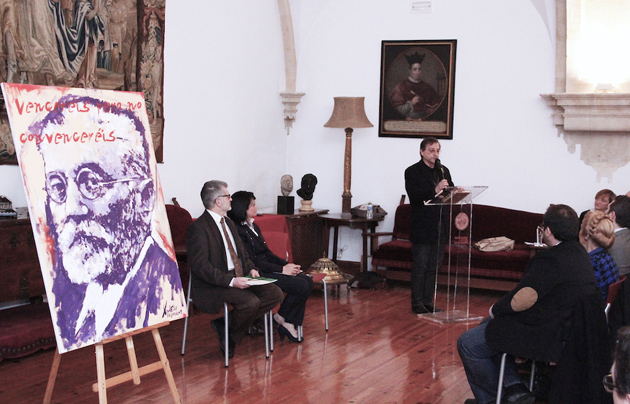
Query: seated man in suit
[
  {"x": 619, "y": 213},
  {"x": 218, "y": 263},
  {"x": 529, "y": 321}
]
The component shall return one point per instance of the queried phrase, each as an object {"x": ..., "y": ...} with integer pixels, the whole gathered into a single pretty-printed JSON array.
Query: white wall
[
  {"x": 503, "y": 133},
  {"x": 224, "y": 70}
]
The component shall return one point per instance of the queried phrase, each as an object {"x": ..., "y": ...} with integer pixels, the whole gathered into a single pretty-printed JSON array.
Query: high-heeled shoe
[{"x": 286, "y": 333}]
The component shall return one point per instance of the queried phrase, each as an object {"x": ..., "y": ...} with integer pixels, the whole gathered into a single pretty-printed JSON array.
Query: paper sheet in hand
[
  {"x": 259, "y": 281},
  {"x": 449, "y": 195}
]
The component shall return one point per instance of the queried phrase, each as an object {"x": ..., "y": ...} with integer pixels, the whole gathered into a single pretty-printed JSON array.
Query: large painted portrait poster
[{"x": 97, "y": 210}]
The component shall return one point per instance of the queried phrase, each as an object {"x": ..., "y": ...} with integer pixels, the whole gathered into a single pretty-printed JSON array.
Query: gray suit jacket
[
  {"x": 620, "y": 250},
  {"x": 208, "y": 262}
]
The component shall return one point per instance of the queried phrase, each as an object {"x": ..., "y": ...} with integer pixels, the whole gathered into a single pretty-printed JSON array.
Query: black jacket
[
  {"x": 256, "y": 247},
  {"x": 420, "y": 183},
  {"x": 561, "y": 276}
]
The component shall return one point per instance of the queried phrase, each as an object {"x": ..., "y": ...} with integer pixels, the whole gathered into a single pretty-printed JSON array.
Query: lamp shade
[{"x": 349, "y": 112}]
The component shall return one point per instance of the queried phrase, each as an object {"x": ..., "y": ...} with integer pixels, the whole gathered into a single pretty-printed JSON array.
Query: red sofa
[{"x": 489, "y": 270}]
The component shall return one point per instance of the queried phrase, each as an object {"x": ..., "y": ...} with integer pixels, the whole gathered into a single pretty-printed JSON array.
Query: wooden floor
[{"x": 376, "y": 351}]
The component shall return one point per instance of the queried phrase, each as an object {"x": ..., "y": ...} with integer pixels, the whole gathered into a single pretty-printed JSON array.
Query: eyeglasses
[
  {"x": 609, "y": 384},
  {"x": 90, "y": 183},
  {"x": 224, "y": 196}
]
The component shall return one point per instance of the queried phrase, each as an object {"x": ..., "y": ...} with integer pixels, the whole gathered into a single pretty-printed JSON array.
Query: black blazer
[
  {"x": 561, "y": 276},
  {"x": 208, "y": 262},
  {"x": 420, "y": 183},
  {"x": 257, "y": 249}
]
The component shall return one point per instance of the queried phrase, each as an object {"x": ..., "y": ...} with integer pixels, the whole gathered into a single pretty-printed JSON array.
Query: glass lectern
[{"x": 456, "y": 265}]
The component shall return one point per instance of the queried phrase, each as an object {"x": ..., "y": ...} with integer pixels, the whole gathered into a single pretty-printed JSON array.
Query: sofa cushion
[
  {"x": 493, "y": 221},
  {"x": 402, "y": 222},
  {"x": 499, "y": 264},
  {"x": 25, "y": 329},
  {"x": 395, "y": 254}
]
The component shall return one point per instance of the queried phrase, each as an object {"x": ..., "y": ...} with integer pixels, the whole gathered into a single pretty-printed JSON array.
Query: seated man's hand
[
  {"x": 254, "y": 273},
  {"x": 240, "y": 282},
  {"x": 291, "y": 269}
]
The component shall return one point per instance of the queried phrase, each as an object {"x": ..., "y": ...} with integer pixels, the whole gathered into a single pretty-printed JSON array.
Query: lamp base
[{"x": 346, "y": 203}]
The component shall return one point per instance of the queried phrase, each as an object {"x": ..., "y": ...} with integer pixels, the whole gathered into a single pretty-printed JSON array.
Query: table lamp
[{"x": 348, "y": 113}]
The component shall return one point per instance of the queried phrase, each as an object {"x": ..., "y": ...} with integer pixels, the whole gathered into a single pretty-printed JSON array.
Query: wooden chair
[
  {"x": 179, "y": 219},
  {"x": 613, "y": 291}
]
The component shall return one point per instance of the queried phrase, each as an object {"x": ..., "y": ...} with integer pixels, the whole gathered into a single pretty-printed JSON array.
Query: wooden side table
[
  {"x": 335, "y": 220},
  {"x": 305, "y": 230}
]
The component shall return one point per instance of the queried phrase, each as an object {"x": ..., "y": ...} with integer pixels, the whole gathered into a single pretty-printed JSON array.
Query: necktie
[{"x": 238, "y": 268}]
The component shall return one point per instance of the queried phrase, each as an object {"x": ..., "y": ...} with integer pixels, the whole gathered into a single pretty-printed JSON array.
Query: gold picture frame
[{"x": 417, "y": 88}]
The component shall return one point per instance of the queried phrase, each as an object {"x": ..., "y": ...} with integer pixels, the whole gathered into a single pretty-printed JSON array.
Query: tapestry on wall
[
  {"x": 97, "y": 210},
  {"x": 113, "y": 45}
]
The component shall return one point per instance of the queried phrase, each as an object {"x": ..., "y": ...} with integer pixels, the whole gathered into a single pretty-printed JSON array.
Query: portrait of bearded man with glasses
[{"x": 113, "y": 271}]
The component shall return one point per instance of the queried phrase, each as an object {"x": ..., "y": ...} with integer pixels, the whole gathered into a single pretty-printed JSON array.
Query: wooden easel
[{"x": 134, "y": 374}]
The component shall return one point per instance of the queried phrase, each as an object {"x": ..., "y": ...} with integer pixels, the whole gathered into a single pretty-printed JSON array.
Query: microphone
[{"x": 438, "y": 164}]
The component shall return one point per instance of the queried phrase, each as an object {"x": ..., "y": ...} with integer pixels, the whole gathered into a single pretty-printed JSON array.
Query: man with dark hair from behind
[
  {"x": 618, "y": 381},
  {"x": 619, "y": 213},
  {"x": 529, "y": 321}
]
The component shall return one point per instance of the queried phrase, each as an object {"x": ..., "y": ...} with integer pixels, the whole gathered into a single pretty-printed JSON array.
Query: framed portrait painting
[{"x": 417, "y": 88}]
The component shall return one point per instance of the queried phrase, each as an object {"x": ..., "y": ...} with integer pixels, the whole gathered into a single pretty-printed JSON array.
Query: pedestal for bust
[
  {"x": 285, "y": 205},
  {"x": 307, "y": 206}
]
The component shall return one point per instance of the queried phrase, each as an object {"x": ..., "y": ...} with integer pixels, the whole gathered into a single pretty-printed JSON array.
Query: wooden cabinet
[
  {"x": 305, "y": 230},
  {"x": 20, "y": 274}
]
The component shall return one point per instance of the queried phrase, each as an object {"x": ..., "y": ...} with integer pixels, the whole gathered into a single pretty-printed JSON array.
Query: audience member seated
[
  {"x": 291, "y": 280},
  {"x": 619, "y": 213},
  {"x": 597, "y": 234},
  {"x": 618, "y": 381},
  {"x": 218, "y": 264},
  {"x": 603, "y": 198},
  {"x": 529, "y": 321}
]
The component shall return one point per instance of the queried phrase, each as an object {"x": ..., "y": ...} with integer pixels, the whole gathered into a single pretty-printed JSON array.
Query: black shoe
[
  {"x": 431, "y": 308},
  {"x": 419, "y": 309},
  {"x": 518, "y": 394},
  {"x": 258, "y": 327},
  {"x": 286, "y": 333},
  {"x": 219, "y": 327},
  {"x": 473, "y": 401}
]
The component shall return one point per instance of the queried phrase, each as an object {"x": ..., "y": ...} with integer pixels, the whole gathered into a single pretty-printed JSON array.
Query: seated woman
[
  {"x": 291, "y": 280},
  {"x": 597, "y": 233},
  {"x": 602, "y": 200}
]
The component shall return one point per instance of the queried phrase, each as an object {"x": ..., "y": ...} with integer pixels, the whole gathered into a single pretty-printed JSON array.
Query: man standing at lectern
[{"x": 429, "y": 224}]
